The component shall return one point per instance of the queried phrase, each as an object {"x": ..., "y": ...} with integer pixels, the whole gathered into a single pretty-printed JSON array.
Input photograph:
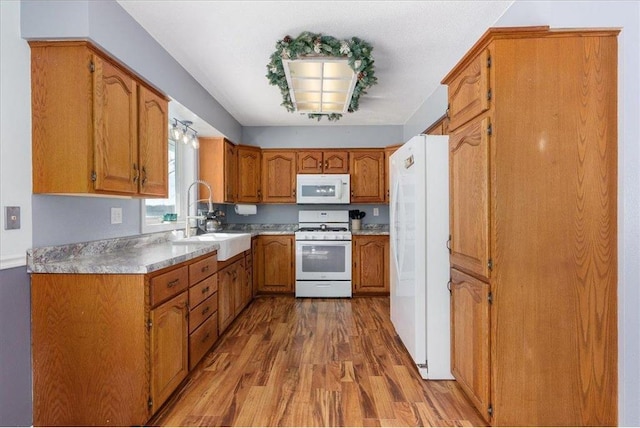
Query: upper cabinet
[
  {"x": 218, "y": 166},
  {"x": 97, "y": 128},
  {"x": 439, "y": 127},
  {"x": 279, "y": 176},
  {"x": 323, "y": 162},
  {"x": 249, "y": 174},
  {"x": 367, "y": 169},
  {"x": 469, "y": 92}
]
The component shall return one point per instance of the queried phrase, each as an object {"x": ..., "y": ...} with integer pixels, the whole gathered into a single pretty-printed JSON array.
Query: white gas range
[{"x": 323, "y": 254}]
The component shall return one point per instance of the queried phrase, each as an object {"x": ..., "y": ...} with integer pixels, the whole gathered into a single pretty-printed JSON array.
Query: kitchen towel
[{"x": 246, "y": 209}]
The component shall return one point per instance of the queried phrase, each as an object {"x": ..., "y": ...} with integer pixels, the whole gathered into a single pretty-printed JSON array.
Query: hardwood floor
[{"x": 314, "y": 362}]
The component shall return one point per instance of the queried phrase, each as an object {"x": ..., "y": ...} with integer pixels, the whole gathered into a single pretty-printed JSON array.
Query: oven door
[{"x": 323, "y": 260}]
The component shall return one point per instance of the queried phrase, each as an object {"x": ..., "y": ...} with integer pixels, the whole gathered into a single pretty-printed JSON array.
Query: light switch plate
[
  {"x": 11, "y": 218},
  {"x": 376, "y": 212},
  {"x": 116, "y": 215}
]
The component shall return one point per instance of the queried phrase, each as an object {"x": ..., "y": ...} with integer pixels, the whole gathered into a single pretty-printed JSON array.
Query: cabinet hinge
[
  {"x": 490, "y": 298},
  {"x": 489, "y": 62},
  {"x": 149, "y": 324},
  {"x": 150, "y": 403},
  {"x": 92, "y": 66},
  {"x": 490, "y": 264},
  {"x": 490, "y": 410},
  {"x": 448, "y": 109},
  {"x": 489, "y": 95},
  {"x": 94, "y": 176},
  {"x": 489, "y": 129}
]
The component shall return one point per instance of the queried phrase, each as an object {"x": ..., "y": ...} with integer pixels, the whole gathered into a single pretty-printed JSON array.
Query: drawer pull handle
[
  {"x": 205, "y": 290},
  {"x": 204, "y": 269},
  {"x": 205, "y": 310},
  {"x": 173, "y": 283}
]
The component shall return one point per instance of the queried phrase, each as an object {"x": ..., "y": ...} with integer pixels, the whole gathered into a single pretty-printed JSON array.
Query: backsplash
[{"x": 288, "y": 213}]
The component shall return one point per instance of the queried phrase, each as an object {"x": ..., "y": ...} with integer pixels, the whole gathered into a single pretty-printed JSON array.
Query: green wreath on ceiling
[{"x": 357, "y": 51}]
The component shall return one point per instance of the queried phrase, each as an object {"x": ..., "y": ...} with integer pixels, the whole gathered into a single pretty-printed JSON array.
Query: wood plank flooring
[{"x": 314, "y": 362}]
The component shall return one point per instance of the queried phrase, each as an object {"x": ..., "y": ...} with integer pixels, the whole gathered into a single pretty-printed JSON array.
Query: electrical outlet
[
  {"x": 11, "y": 218},
  {"x": 376, "y": 212},
  {"x": 116, "y": 215}
]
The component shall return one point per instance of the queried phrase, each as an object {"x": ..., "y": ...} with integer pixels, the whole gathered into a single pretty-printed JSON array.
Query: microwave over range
[{"x": 323, "y": 189}]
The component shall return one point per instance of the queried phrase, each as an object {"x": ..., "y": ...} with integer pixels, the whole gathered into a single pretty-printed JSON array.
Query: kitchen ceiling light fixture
[
  {"x": 321, "y": 76},
  {"x": 181, "y": 131}
]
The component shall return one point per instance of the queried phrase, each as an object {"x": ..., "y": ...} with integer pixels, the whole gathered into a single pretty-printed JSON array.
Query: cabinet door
[
  {"x": 169, "y": 348},
  {"x": 371, "y": 264},
  {"x": 367, "y": 176},
  {"x": 275, "y": 259},
  {"x": 238, "y": 287},
  {"x": 230, "y": 172},
  {"x": 470, "y": 338},
  {"x": 249, "y": 174},
  {"x": 279, "y": 176},
  {"x": 310, "y": 162},
  {"x": 469, "y": 198},
  {"x": 469, "y": 93},
  {"x": 152, "y": 143},
  {"x": 388, "y": 151},
  {"x": 226, "y": 304},
  {"x": 115, "y": 133},
  {"x": 335, "y": 162}
]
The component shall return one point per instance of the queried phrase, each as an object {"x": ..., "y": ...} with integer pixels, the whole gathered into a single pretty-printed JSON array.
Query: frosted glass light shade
[{"x": 321, "y": 85}]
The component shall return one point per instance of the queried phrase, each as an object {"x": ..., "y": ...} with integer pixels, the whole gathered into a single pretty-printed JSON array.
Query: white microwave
[{"x": 323, "y": 189}]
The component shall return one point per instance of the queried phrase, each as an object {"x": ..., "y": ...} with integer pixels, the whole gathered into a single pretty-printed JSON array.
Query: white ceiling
[{"x": 225, "y": 46}]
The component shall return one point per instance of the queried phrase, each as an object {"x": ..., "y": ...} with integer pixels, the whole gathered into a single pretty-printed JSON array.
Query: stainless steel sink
[{"x": 230, "y": 244}]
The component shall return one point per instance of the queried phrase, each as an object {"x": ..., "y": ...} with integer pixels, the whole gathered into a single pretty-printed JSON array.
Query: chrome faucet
[{"x": 187, "y": 228}]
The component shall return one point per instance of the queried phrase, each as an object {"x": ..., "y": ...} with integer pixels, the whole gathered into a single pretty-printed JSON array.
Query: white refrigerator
[{"x": 419, "y": 230}]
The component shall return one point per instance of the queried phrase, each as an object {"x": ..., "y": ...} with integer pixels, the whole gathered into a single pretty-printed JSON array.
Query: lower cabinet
[
  {"x": 370, "y": 264},
  {"x": 109, "y": 349},
  {"x": 275, "y": 266},
  {"x": 231, "y": 290},
  {"x": 470, "y": 322},
  {"x": 169, "y": 350}
]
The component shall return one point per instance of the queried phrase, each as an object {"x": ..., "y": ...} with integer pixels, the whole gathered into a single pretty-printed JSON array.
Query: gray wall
[
  {"x": 288, "y": 213},
  {"x": 15, "y": 348},
  {"x": 330, "y": 136}
]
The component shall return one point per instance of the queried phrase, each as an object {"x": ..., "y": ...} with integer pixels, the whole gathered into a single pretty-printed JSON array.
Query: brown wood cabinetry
[
  {"x": 218, "y": 166},
  {"x": 231, "y": 285},
  {"x": 279, "y": 176},
  {"x": 367, "y": 175},
  {"x": 533, "y": 226},
  {"x": 470, "y": 338},
  {"x": 370, "y": 264},
  {"x": 203, "y": 307},
  {"x": 323, "y": 162},
  {"x": 169, "y": 348},
  {"x": 439, "y": 127},
  {"x": 388, "y": 151},
  {"x": 109, "y": 349},
  {"x": 97, "y": 128},
  {"x": 249, "y": 174},
  {"x": 275, "y": 267}
]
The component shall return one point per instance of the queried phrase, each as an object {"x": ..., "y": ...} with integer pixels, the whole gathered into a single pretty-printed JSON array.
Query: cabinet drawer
[
  {"x": 201, "y": 340},
  {"x": 202, "y": 269},
  {"x": 203, "y": 290},
  {"x": 167, "y": 285},
  {"x": 200, "y": 313},
  {"x": 469, "y": 91}
]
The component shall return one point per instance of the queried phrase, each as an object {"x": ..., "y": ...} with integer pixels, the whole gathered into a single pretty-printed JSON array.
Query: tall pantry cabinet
[{"x": 533, "y": 173}]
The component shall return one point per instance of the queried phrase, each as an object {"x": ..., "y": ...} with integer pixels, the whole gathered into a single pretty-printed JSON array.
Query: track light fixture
[{"x": 181, "y": 131}]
